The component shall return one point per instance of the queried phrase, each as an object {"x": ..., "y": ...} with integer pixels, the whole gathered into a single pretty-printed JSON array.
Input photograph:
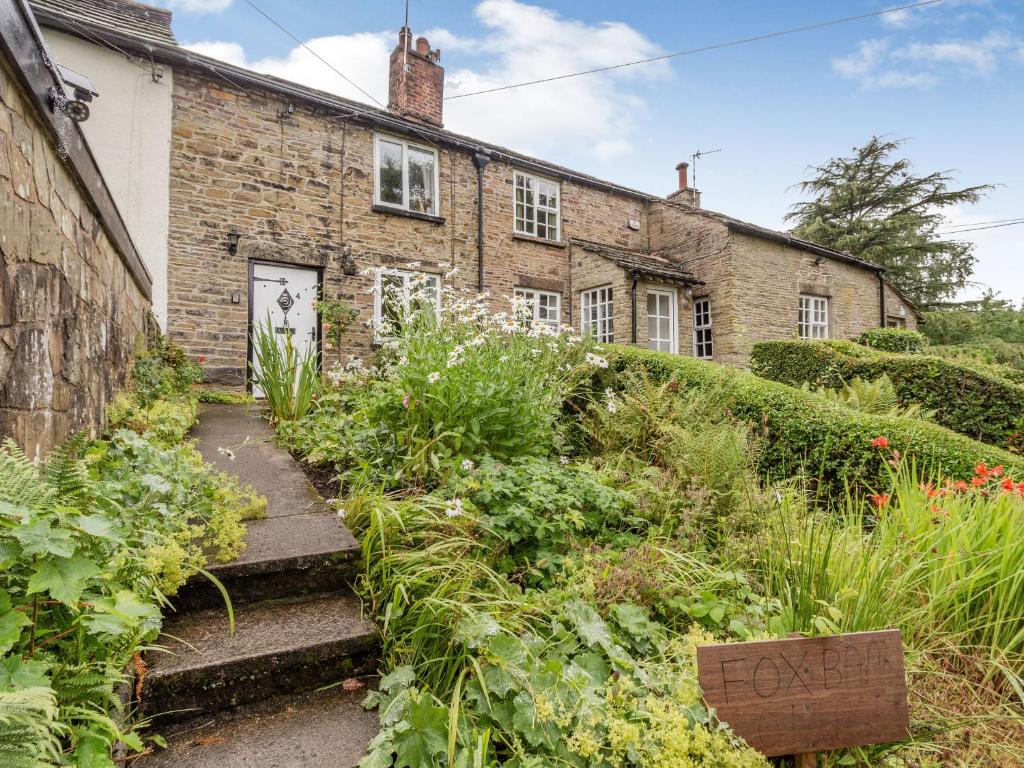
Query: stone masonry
[
  {"x": 295, "y": 180},
  {"x": 69, "y": 310}
]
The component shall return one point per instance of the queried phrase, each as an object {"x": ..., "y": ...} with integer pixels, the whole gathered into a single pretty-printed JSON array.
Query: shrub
[
  {"x": 878, "y": 397},
  {"x": 901, "y": 340},
  {"x": 287, "y": 377},
  {"x": 965, "y": 399},
  {"x": 804, "y": 432}
]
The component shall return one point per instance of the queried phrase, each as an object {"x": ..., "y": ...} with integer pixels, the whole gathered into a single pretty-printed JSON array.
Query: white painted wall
[{"x": 129, "y": 132}]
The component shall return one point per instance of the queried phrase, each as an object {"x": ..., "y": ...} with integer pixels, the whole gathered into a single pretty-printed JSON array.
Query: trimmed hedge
[
  {"x": 966, "y": 399},
  {"x": 901, "y": 340},
  {"x": 805, "y": 433}
]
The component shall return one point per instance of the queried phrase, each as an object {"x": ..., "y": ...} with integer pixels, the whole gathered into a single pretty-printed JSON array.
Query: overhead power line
[
  {"x": 1014, "y": 223},
  {"x": 953, "y": 227},
  {"x": 333, "y": 68},
  {"x": 702, "y": 49}
]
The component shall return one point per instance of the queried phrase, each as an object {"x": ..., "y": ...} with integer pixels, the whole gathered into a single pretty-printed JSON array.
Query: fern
[
  {"x": 20, "y": 481},
  {"x": 29, "y": 731},
  {"x": 67, "y": 475}
]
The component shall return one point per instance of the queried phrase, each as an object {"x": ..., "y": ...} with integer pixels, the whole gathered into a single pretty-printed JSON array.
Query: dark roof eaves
[{"x": 635, "y": 261}]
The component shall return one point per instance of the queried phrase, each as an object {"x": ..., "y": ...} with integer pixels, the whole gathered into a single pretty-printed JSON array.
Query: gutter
[
  {"x": 796, "y": 242},
  {"x": 480, "y": 160},
  {"x": 883, "y": 319}
]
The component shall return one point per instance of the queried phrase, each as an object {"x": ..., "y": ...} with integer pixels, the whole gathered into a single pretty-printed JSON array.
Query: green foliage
[
  {"x": 288, "y": 379},
  {"x": 967, "y": 400},
  {"x": 901, "y": 340},
  {"x": 804, "y": 433},
  {"x": 537, "y": 512},
  {"x": 337, "y": 318},
  {"x": 976, "y": 322},
  {"x": 225, "y": 397},
  {"x": 92, "y": 542},
  {"x": 878, "y": 397},
  {"x": 876, "y": 208}
]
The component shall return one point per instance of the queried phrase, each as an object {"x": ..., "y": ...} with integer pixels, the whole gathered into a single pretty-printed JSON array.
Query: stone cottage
[
  {"x": 73, "y": 289},
  {"x": 277, "y": 193}
]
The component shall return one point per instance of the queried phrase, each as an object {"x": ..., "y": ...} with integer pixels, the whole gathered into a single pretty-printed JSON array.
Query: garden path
[{"x": 252, "y": 698}]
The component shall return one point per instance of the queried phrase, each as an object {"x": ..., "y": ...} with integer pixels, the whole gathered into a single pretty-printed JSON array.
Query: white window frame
[
  {"x": 406, "y": 146},
  {"x": 812, "y": 318},
  {"x": 532, "y": 297},
  {"x": 557, "y": 210},
  {"x": 407, "y": 277},
  {"x": 673, "y": 320},
  {"x": 602, "y": 298},
  {"x": 700, "y": 327}
]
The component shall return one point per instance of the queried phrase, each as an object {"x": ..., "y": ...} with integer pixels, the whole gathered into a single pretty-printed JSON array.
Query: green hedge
[
  {"x": 966, "y": 399},
  {"x": 804, "y": 433},
  {"x": 901, "y": 340}
]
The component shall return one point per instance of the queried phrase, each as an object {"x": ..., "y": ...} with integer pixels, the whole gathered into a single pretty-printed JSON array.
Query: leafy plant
[
  {"x": 899, "y": 340},
  {"x": 287, "y": 377},
  {"x": 878, "y": 397}
]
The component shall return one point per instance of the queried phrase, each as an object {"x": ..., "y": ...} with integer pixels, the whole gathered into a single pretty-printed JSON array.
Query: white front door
[{"x": 286, "y": 294}]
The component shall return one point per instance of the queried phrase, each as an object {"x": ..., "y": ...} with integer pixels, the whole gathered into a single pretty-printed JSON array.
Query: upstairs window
[
  {"x": 536, "y": 207},
  {"x": 813, "y": 318},
  {"x": 661, "y": 320},
  {"x": 597, "y": 314},
  {"x": 546, "y": 306},
  {"x": 703, "y": 345},
  {"x": 395, "y": 293},
  {"x": 406, "y": 176}
]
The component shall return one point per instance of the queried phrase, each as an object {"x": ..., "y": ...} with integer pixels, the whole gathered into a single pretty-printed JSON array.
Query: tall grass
[
  {"x": 287, "y": 377},
  {"x": 944, "y": 565}
]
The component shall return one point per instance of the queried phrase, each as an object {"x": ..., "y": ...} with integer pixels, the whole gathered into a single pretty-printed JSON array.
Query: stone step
[
  {"x": 279, "y": 646},
  {"x": 284, "y": 557},
  {"x": 327, "y": 728}
]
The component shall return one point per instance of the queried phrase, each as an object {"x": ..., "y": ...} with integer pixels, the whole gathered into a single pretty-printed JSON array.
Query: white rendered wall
[{"x": 129, "y": 132}]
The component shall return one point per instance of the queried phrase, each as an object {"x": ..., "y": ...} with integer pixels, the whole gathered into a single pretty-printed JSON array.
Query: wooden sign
[{"x": 806, "y": 694}]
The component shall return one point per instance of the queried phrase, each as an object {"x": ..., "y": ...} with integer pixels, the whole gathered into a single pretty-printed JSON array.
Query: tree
[{"x": 873, "y": 206}]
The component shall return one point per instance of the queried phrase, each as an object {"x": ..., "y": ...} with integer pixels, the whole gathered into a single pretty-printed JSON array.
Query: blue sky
[{"x": 949, "y": 78}]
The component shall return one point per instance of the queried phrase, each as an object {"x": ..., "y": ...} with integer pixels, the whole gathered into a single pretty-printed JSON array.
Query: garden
[
  {"x": 93, "y": 543},
  {"x": 550, "y": 527}
]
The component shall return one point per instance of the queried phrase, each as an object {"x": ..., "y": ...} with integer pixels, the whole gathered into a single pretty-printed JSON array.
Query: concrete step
[
  {"x": 279, "y": 646},
  {"x": 322, "y": 729},
  {"x": 284, "y": 557}
]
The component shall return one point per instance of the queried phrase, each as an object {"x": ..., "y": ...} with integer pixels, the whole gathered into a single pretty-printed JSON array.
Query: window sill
[
  {"x": 378, "y": 208},
  {"x": 538, "y": 240}
]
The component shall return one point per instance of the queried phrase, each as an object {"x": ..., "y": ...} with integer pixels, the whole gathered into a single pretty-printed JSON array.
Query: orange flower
[
  {"x": 960, "y": 485},
  {"x": 880, "y": 442},
  {"x": 977, "y": 482},
  {"x": 981, "y": 470},
  {"x": 997, "y": 470},
  {"x": 1008, "y": 484},
  {"x": 879, "y": 499}
]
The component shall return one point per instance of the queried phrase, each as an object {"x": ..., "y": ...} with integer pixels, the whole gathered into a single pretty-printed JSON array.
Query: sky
[{"x": 948, "y": 78}]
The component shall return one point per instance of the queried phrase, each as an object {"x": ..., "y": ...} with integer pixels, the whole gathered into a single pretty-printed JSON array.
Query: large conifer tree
[{"x": 872, "y": 205}]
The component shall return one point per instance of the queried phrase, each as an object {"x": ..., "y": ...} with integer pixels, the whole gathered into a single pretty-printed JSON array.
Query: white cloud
[
  {"x": 232, "y": 53},
  {"x": 878, "y": 63},
  {"x": 518, "y": 42},
  {"x": 197, "y": 6}
]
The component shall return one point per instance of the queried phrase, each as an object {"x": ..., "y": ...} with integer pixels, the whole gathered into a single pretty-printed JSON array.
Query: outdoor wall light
[
  {"x": 286, "y": 111},
  {"x": 233, "y": 238}
]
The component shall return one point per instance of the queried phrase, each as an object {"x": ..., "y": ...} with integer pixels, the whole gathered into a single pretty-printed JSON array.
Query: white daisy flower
[{"x": 433, "y": 378}]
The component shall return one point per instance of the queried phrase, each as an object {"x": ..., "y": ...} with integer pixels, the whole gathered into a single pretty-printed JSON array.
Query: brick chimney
[
  {"x": 685, "y": 194},
  {"x": 416, "y": 80}
]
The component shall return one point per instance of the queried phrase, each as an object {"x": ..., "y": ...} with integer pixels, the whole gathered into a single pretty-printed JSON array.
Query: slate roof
[
  {"x": 642, "y": 263},
  {"x": 142, "y": 22}
]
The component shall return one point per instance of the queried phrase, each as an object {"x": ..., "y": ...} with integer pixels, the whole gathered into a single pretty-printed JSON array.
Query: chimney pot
[
  {"x": 416, "y": 80},
  {"x": 683, "y": 181}
]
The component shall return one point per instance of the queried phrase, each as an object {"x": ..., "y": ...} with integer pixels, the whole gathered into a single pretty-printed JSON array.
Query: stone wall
[
  {"x": 70, "y": 311},
  {"x": 300, "y": 190}
]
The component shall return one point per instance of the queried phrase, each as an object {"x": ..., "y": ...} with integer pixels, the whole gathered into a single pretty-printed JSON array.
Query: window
[
  {"x": 813, "y": 320},
  {"x": 596, "y": 311},
  {"x": 661, "y": 320},
  {"x": 536, "y": 207},
  {"x": 394, "y": 293},
  {"x": 895, "y": 322},
  {"x": 546, "y": 306},
  {"x": 703, "y": 346},
  {"x": 406, "y": 176}
]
